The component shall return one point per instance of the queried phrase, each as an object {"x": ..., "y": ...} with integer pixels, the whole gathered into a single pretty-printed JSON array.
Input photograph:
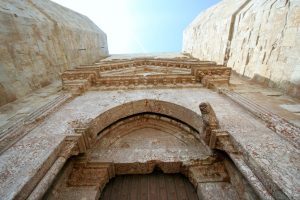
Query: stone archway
[
  {"x": 149, "y": 139},
  {"x": 87, "y": 132},
  {"x": 160, "y": 107},
  {"x": 138, "y": 137}
]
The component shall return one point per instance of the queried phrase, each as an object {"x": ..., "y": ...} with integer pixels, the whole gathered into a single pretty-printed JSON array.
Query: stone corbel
[
  {"x": 82, "y": 136},
  {"x": 215, "y": 138},
  {"x": 84, "y": 133},
  {"x": 209, "y": 119},
  {"x": 220, "y": 139},
  {"x": 70, "y": 148}
]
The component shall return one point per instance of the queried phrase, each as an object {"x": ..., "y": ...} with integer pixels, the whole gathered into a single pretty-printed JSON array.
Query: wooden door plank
[
  {"x": 153, "y": 192},
  {"x": 133, "y": 191},
  {"x": 125, "y": 188},
  {"x": 180, "y": 187},
  {"x": 144, "y": 187},
  {"x": 115, "y": 193},
  {"x": 162, "y": 187},
  {"x": 149, "y": 187},
  {"x": 171, "y": 190}
]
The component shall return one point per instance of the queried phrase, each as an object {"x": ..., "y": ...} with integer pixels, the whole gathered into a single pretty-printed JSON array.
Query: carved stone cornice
[
  {"x": 154, "y": 80},
  {"x": 82, "y": 78},
  {"x": 211, "y": 75}
]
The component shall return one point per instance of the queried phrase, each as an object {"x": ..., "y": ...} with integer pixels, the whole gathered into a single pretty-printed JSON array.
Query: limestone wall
[
  {"x": 40, "y": 39},
  {"x": 259, "y": 39},
  {"x": 206, "y": 37}
]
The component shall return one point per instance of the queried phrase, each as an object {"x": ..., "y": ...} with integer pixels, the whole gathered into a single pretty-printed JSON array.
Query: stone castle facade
[{"x": 74, "y": 117}]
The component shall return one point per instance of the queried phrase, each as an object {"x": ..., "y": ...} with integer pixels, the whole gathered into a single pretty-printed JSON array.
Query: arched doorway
[{"x": 139, "y": 137}]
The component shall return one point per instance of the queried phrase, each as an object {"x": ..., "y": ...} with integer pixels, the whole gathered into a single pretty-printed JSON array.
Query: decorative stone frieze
[
  {"x": 212, "y": 75},
  {"x": 122, "y": 75}
]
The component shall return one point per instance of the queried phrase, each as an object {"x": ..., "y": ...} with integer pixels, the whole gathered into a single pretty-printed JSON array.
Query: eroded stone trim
[
  {"x": 82, "y": 137},
  {"x": 145, "y": 106},
  {"x": 81, "y": 79},
  {"x": 251, "y": 177},
  {"x": 154, "y": 80},
  {"x": 91, "y": 174},
  {"x": 117, "y": 64},
  {"x": 83, "y": 173},
  {"x": 220, "y": 139},
  {"x": 13, "y": 132},
  {"x": 214, "y": 172},
  {"x": 213, "y": 76},
  {"x": 145, "y": 117},
  {"x": 47, "y": 180},
  {"x": 279, "y": 125},
  {"x": 71, "y": 146}
]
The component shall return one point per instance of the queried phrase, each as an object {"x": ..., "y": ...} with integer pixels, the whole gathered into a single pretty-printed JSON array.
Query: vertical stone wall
[
  {"x": 259, "y": 39},
  {"x": 39, "y": 40},
  {"x": 207, "y": 36}
]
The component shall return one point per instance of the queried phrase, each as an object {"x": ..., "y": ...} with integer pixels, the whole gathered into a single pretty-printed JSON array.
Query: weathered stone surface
[
  {"x": 238, "y": 181},
  {"x": 258, "y": 39},
  {"x": 62, "y": 190},
  {"x": 140, "y": 130},
  {"x": 111, "y": 129},
  {"x": 39, "y": 40},
  {"x": 216, "y": 191},
  {"x": 206, "y": 37},
  {"x": 259, "y": 143},
  {"x": 148, "y": 137}
]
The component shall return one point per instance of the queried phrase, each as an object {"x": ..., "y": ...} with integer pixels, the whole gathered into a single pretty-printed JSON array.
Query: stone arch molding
[
  {"x": 209, "y": 132},
  {"x": 147, "y": 137},
  {"x": 169, "y": 109},
  {"x": 86, "y": 133}
]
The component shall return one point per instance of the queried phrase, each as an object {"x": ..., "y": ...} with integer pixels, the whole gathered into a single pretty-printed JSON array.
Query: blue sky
[{"x": 141, "y": 26}]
